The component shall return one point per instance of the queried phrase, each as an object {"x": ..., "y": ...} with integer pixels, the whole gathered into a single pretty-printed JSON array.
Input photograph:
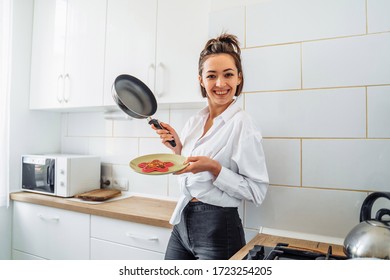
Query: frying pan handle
[{"x": 157, "y": 124}]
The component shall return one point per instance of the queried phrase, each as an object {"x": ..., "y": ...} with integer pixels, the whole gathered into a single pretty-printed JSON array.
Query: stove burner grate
[{"x": 282, "y": 251}]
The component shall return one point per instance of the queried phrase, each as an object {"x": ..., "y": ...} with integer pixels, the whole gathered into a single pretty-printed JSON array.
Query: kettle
[{"x": 370, "y": 238}]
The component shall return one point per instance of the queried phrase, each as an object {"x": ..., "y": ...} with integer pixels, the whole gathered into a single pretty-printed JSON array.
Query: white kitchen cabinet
[
  {"x": 182, "y": 31},
  {"x": 50, "y": 233},
  {"x": 117, "y": 239},
  {"x": 159, "y": 42},
  {"x": 107, "y": 250},
  {"x": 67, "y": 64},
  {"x": 130, "y": 42}
]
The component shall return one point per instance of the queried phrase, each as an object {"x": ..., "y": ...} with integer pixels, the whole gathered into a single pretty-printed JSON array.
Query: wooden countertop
[
  {"x": 272, "y": 240},
  {"x": 136, "y": 209}
]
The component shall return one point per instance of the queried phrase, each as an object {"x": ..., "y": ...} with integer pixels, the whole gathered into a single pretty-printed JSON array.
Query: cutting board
[{"x": 99, "y": 194}]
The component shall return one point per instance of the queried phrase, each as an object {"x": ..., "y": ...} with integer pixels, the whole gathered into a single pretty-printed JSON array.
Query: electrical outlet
[
  {"x": 106, "y": 182},
  {"x": 120, "y": 184}
]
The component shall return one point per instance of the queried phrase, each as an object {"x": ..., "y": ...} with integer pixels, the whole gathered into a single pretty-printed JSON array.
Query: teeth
[{"x": 221, "y": 92}]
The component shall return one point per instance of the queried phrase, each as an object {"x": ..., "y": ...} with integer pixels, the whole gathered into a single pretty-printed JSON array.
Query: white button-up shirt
[{"x": 235, "y": 143}]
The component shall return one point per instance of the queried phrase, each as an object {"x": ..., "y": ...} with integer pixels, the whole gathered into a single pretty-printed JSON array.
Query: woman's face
[{"x": 220, "y": 79}]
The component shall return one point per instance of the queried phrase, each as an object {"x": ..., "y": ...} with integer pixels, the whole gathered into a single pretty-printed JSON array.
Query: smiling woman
[{"x": 5, "y": 54}]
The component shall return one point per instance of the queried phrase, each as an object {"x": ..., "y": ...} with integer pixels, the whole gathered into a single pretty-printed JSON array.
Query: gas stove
[{"x": 282, "y": 251}]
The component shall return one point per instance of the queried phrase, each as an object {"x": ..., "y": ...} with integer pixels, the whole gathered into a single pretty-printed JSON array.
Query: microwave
[{"x": 60, "y": 174}]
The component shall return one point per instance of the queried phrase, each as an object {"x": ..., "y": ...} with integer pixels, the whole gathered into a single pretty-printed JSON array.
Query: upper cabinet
[
  {"x": 67, "y": 66},
  {"x": 159, "y": 42},
  {"x": 130, "y": 42},
  {"x": 80, "y": 46},
  {"x": 182, "y": 32}
]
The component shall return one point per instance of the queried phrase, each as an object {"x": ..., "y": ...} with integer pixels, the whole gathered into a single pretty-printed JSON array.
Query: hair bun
[{"x": 225, "y": 43}]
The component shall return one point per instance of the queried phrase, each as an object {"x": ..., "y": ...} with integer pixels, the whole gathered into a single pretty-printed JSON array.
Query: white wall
[
  {"x": 317, "y": 82},
  {"x": 30, "y": 131}
]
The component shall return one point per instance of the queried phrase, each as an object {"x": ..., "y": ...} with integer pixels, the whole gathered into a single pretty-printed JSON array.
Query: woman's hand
[
  {"x": 201, "y": 163},
  {"x": 167, "y": 134}
]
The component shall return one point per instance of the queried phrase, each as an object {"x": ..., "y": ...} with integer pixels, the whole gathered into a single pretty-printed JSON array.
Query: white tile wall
[
  {"x": 378, "y": 15},
  {"x": 310, "y": 113},
  {"x": 378, "y": 107},
  {"x": 317, "y": 81},
  {"x": 283, "y": 158},
  {"x": 322, "y": 212},
  {"x": 272, "y": 68},
  {"x": 283, "y": 21},
  {"x": 354, "y": 164},
  {"x": 362, "y": 60}
]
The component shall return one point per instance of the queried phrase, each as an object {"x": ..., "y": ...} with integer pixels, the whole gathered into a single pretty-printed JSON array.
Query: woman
[{"x": 226, "y": 161}]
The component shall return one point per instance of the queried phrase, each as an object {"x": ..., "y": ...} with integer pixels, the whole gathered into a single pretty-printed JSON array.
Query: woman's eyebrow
[{"x": 213, "y": 71}]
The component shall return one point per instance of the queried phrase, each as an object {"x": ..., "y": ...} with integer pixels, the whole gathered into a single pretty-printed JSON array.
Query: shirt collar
[{"x": 226, "y": 115}]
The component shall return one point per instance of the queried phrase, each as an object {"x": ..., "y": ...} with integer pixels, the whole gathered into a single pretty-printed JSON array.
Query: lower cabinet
[
  {"x": 49, "y": 233},
  {"x": 41, "y": 232},
  {"x": 113, "y": 239}
]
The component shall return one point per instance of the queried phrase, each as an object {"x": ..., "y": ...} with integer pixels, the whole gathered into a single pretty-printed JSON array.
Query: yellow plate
[{"x": 177, "y": 160}]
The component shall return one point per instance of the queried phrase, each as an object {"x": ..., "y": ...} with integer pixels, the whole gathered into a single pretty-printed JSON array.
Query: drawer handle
[
  {"x": 49, "y": 219},
  {"x": 135, "y": 236}
]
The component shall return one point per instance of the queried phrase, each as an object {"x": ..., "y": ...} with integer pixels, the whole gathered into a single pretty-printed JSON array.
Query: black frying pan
[{"x": 136, "y": 99}]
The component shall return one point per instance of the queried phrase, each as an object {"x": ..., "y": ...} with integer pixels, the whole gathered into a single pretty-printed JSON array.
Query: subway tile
[
  {"x": 230, "y": 20},
  {"x": 173, "y": 187},
  {"x": 354, "y": 164},
  {"x": 330, "y": 213},
  {"x": 250, "y": 234},
  {"x": 309, "y": 113},
  {"x": 152, "y": 146},
  {"x": 272, "y": 68},
  {"x": 138, "y": 127},
  {"x": 378, "y": 19},
  {"x": 283, "y": 159},
  {"x": 89, "y": 124},
  {"x": 356, "y": 61},
  {"x": 75, "y": 145},
  {"x": 114, "y": 150},
  {"x": 378, "y": 112},
  {"x": 276, "y": 22},
  {"x": 179, "y": 117},
  {"x": 146, "y": 184}
]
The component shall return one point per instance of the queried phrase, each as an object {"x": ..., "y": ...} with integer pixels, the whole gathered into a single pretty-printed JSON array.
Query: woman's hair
[{"x": 225, "y": 43}]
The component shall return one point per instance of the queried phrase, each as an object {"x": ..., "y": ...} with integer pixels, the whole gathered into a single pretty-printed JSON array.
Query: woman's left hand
[{"x": 201, "y": 163}]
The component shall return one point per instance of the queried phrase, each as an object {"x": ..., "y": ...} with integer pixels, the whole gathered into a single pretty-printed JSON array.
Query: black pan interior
[{"x": 133, "y": 95}]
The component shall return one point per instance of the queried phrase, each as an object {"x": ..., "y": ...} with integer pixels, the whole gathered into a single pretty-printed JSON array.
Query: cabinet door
[
  {"x": 48, "y": 51},
  {"x": 50, "y": 233},
  {"x": 182, "y": 31},
  {"x": 67, "y": 63},
  {"x": 106, "y": 250},
  {"x": 84, "y": 64},
  {"x": 130, "y": 42}
]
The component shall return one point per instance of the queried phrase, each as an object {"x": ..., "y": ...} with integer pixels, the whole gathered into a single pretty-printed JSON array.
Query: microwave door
[
  {"x": 39, "y": 176},
  {"x": 28, "y": 178}
]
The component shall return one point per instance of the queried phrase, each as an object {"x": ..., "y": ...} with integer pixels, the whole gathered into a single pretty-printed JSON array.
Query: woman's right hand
[{"x": 167, "y": 134}]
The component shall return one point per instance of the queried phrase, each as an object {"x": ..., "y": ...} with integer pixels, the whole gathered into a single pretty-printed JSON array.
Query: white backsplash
[{"x": 317, "y": 83}]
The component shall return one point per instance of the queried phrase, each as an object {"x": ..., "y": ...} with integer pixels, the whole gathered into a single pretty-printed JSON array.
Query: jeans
[{"x": 206, "y": 232}]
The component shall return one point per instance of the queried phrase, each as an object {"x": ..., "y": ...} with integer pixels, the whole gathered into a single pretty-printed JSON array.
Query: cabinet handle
[
  {"x": 161, "y": 79},
  {"x": 67, "y": 88},
  {"x": 151, "y": 76},
  {"x": 55, "y": 219},
  {"x": 136, "y": 236},
  {"x": 60, "y": 81}
]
